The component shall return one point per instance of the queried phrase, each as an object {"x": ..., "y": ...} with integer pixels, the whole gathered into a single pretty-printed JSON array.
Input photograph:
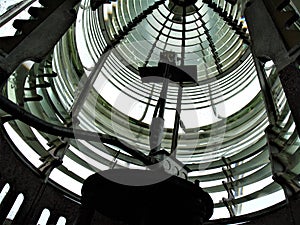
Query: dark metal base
[{"x": 171, "y": 201}]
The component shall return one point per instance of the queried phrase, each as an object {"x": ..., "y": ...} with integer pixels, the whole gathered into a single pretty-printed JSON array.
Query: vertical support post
[
  {"x": 176, "y": 122},
  {"x": 269, "y": 18},
  {"x": 266, "y": 91},
  {"x": 163, "y": 96},
  {"x": 290, "y": 80},
  {"x": 157, "y": 123}
]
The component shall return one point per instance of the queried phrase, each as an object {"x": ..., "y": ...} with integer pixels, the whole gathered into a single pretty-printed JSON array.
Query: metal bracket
[
  {"x": 54, "y": 157},
  {"x": 37, "y": 37},
  {"x": 229, "y": 205},
  {"x": 171, "y": 165},
  {"x": 281, "y": 163},
  {"x": 267, "y": 25}
]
